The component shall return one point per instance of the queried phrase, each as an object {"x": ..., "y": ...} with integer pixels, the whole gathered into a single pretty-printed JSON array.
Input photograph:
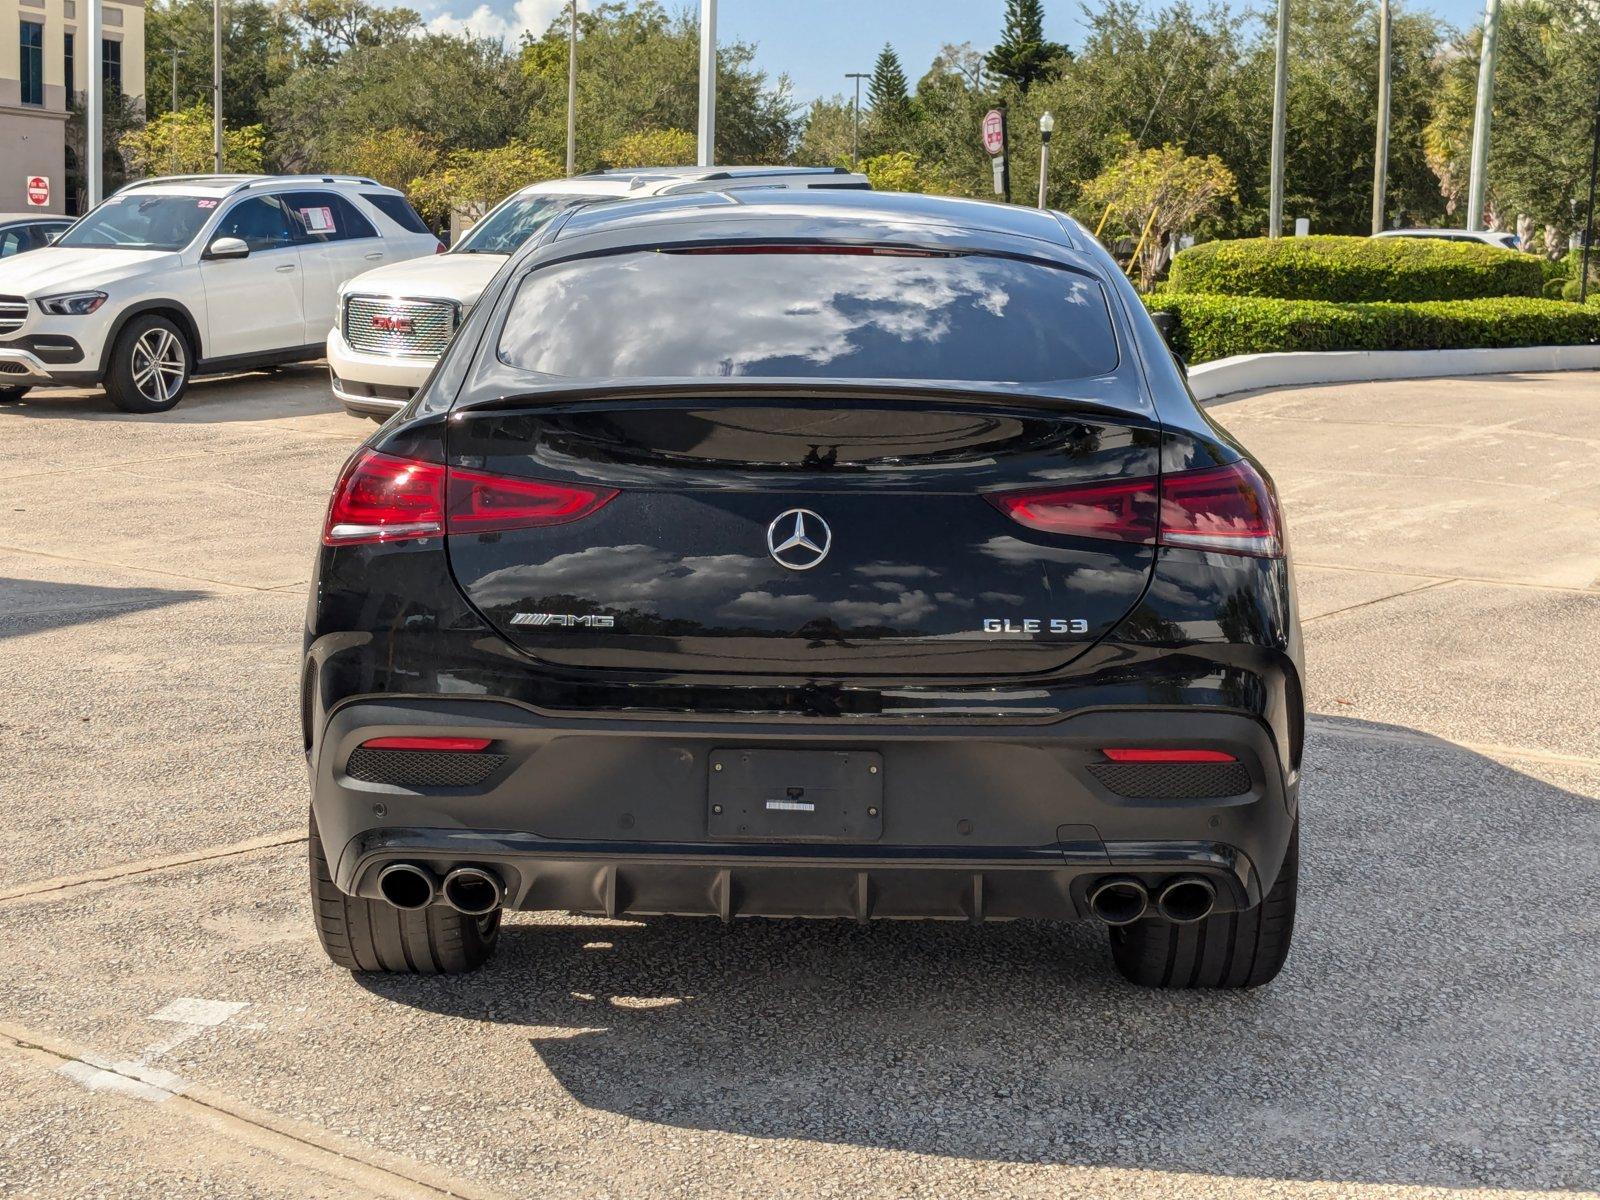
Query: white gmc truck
[{"x": 394, "y": 322}]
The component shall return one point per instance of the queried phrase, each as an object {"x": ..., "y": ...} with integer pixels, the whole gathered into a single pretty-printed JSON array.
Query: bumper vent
[
  {"x": 402, "y": 328},
  {"x": 422, "y": 768},
  {"x": 1173, "y": 781}
]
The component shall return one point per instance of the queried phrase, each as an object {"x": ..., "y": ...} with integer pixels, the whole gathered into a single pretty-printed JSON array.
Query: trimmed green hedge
[
  {"x": 1354, "y": 269},
  {"x": 1211, "y": 327}
]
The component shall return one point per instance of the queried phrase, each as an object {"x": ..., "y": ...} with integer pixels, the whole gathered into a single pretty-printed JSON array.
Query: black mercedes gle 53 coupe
[{"x": 842, "y": 555}]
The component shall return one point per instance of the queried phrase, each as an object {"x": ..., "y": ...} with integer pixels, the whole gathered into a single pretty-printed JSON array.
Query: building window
[
  {"x": 68, "y": 47},
  {"x": 111, "y": 64},
  {"x": 32, "y": 62}
]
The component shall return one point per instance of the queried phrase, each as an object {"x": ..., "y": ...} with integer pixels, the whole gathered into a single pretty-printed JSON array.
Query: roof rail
[
  {"x": 262, "y": 180},
  {"x": 243, "y": 182},
  {"x": 153, "y": 180}
]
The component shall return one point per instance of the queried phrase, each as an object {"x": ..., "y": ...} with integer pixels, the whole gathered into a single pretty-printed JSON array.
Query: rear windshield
[
  {"x": 810, "y": 312},
  {"x": 397, "y": 210}
]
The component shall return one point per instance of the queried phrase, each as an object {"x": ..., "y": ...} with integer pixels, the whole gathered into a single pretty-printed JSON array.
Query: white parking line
[{"x": 136, "y": 1077}]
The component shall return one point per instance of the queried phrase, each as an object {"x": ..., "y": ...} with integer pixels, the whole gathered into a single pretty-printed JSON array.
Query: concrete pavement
[{"x": 1433, "y": 1033}]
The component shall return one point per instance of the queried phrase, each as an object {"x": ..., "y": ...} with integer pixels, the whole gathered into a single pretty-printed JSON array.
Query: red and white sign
[
  {"x": 994, "y": 131},
  {"x": 38, "y": 190}
]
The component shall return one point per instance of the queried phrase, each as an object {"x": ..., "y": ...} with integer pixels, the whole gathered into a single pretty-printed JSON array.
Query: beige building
[{"x": 43, "y": 61}]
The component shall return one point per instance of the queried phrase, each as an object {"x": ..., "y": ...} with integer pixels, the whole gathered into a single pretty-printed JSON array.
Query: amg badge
[{"x": 562, "y": 619}]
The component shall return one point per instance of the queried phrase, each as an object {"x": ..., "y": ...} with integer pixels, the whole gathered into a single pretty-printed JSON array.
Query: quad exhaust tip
[
  {"x": 1119, "y": 901},
  {"x": 473, "y": 891},
  {"x": 1187, "y": 900},
  {"x": 407, "y": 886}
]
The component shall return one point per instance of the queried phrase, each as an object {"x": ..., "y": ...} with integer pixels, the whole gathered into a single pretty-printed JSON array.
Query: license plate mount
[{"x": 795, "y": 796}]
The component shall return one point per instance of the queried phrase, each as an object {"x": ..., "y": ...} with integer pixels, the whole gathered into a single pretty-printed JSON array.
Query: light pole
[
  {"x": 1478, "y": 180},
  {"x": 176, "y": 55},
  {"x": 1588, "y": 230},
  {"x": 94, "y": 103},
  {"x": 1280, "y": 99},
  {"x": 1047, "y": 124},
  {"x": 1380, "y": 154},
  {"x": 708, "y": 82},
  {"x": 572, "y": 93},
  {"x": 855, "y": 119},
  {"x": 216, "y": 86}
]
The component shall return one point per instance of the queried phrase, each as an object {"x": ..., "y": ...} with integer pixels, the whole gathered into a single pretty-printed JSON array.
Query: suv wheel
[
  {"x": 9, "y": 395},
  {"x": 1228, "y": 950},
  {"x": 150, "y": 366},
  {"x": 369, "y": 935}
]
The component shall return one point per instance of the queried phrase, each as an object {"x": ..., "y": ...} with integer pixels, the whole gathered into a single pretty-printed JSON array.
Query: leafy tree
[
  {"x": 258, "y": 55},
  {"x": 1332, "y": 114},
  {"x": 827, "y": 133},
  {"x": 1164, "y": 190},
  {"x": 414, "y": 83},
  {"x": 1024, "y": 56},
  {"x": 886, "y": 90},
  {"x": 328, "y": 29},
  {"x": 653, "y": 148},
  {"x": 119, "y": 115},
  {"x": 902, "y": 171},
  {"x": 396, "y": 158},
  {"x": 473, "y": 181},
  {"x": 638, "y": 70},
  {"x": 1547, "y": 65},
  {"x": 180, "y": 143}
]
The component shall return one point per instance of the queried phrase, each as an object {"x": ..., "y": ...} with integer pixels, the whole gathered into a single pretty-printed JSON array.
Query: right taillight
[
  {"x": 1228, "y": 509},
  {"x": 382, "y": 498}
]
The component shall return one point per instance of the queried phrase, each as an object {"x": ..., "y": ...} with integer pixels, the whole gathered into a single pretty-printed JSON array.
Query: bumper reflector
[
  {"x": 467, "y": 744},
  {"x": 1151, "y": 755}
]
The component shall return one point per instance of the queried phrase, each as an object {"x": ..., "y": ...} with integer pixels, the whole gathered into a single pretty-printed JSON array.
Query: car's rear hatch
[{"x": 921, "y": 577}]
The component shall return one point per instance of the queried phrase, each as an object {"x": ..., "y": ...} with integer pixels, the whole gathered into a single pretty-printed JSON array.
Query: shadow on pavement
[
  {"x": 1434, "y": 1025},
  {"x": 297, "y": 390},
  {"x": 36, "y": 605}
]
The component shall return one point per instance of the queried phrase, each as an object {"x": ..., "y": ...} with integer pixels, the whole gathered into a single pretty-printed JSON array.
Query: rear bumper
[{"x": 610, "y": 816}]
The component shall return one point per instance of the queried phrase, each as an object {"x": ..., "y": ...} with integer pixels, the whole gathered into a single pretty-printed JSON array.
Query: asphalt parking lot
[{"x": 169, "y": 1026}]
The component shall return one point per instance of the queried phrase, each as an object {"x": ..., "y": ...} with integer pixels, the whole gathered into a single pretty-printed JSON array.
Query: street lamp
[
  {"x": 855, "y": 119},
  {"x": 1047, "y": 124}
]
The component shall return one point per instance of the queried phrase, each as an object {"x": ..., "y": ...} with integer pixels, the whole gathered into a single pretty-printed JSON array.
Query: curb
[{"x": 1247, "y": 372}]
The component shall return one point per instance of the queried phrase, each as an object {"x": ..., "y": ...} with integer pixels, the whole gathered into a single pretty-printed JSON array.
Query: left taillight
[{"x": 382, "y": 498}]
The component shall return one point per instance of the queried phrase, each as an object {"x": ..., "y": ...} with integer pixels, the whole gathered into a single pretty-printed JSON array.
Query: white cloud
[{"x": 525, "y": 16}]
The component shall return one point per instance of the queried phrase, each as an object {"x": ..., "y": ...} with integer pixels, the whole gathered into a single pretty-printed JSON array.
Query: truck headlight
[{"x": 71, "y": 304}]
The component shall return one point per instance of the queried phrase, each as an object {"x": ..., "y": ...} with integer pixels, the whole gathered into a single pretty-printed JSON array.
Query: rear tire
[
  {"x": 10, "y": 395},
  {"x": 150, "y": 366},
  {"x": 369, "y": 935},
  {"x": 1229, "y": 950}
]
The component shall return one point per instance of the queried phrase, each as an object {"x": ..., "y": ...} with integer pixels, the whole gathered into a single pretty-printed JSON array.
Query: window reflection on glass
[{"x": 772, "y": 312}]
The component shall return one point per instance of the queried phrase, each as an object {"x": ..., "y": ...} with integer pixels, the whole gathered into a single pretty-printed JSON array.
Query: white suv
[
  {"x": 170, "y": 278},
  {"x": 394, "y": 322}
]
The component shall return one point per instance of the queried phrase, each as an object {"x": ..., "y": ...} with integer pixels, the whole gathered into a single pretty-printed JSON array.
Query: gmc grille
[
  {"x": 404, "y": 328},
  {"x": 13, "y": 312}
]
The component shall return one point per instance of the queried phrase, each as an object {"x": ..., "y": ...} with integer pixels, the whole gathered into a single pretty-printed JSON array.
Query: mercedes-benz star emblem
[{"x": 798, "y": 539}]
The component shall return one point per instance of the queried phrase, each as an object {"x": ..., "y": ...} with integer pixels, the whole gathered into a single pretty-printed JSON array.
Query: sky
[{"x": 816, "y": 41}]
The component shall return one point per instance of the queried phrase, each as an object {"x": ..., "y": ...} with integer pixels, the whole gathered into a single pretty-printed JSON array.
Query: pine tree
[
  {"x": 1023, "y": 56},
  {"x": 887, "y": 90}
]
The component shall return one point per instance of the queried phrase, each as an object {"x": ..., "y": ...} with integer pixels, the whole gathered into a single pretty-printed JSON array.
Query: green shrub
[
  {"x": 1569, "y": 290},
  {"x": 1219, "y": 326},
  {"x": 1356, "y": 269},
  {"x": 1558, "y": 270},
  {"x": 1553, "y": 287}
]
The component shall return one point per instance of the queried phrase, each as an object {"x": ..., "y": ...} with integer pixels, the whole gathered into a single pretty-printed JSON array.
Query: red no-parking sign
[
  {"x": 994, "y": 131},
  {"x": 38, "y": 190}
]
